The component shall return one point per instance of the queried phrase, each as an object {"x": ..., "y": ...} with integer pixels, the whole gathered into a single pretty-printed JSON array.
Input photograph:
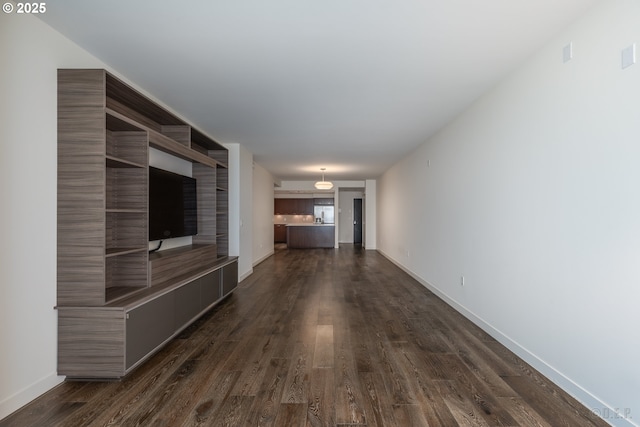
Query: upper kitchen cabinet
[
  {"x": 293, "y": 206},
  {"x": 325, "y": 201}
]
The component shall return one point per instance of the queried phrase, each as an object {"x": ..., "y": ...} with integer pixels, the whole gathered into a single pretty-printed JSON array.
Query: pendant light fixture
[{"x": 323, "y": 185}]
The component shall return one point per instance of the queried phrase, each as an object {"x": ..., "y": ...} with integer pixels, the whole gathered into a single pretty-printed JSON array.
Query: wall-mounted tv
[{"x": 173, "y": 207}]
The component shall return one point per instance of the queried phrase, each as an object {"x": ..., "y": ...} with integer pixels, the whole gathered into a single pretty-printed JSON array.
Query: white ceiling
[{"x": 350, "y": 85}]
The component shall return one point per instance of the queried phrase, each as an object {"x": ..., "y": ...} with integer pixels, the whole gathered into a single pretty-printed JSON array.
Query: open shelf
[
  {"x": 123, "y": 251},
  {"x": 116, "y": 293},
  {"x": 128, "y": 270},
  {"x": 114, "y": 162}
]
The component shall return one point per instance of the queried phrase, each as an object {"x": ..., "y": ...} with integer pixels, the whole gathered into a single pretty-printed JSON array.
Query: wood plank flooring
[{"x": 321, "y": 337}]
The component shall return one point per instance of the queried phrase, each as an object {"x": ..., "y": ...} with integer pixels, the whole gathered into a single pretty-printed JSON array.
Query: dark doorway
[{"x": 357, "y": 222}]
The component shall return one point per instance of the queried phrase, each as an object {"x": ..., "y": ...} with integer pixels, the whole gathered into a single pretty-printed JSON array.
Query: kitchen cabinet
[
  {"x": 310, "y": 236},
  {"x": 293, "y": 206},
  {"x": 279, "y": 233}
]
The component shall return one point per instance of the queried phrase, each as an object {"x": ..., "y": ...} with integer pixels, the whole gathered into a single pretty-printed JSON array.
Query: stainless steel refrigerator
[{"x": 324, "y": 214}]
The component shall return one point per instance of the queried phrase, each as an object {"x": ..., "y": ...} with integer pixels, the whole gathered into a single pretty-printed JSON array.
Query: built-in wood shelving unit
[{"x": 105, "y": 129}]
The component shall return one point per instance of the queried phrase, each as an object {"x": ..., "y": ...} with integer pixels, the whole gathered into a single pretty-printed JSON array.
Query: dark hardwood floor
[{"x": 321, "y": 338}]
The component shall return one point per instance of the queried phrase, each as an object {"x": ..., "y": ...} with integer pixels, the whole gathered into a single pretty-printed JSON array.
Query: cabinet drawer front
[
  {"x": 148, "y": 326},
  {"x": 210, "y": 288},
  {"x": 187, "y": 303},
  {"x": 229, "y": 277}
]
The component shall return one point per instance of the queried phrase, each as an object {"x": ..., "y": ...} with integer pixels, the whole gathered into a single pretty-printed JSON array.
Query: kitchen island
[{"x": 304, "y": 236}]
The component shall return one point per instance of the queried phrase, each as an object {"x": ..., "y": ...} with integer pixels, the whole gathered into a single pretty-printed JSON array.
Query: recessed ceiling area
[{"x": 352, "y": 86}]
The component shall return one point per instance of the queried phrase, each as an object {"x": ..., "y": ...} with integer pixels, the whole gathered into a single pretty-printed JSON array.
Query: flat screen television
[{"x": 173, "y": 207}]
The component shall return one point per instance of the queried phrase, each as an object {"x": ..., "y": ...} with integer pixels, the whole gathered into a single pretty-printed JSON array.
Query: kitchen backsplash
[{"x": 292, "y": 219}]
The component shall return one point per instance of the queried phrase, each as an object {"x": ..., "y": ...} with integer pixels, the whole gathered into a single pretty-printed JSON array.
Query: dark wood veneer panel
[
  {"x": 179, "y": 133},
  {"x": 200, "y": 139},
  {"x": 166, "y": 144},
  {"x": 221, "y": 156},
  {"x": 312, "y": 236},
  {"x": 148, "y": 326},
  {"x": 126, "y": 188},
  {"x": 128, "y": 270},
  {"x": 90, "y": 342},
  {"x": 81, "y": 190},
  {"x": 222, "y": 204},
  {"x": 129, "y": 146},
  {"x": 124, "y": 94},
  {"x": 125, "y": 230},
  {"x": 206, "y": 190},
  {"x": 167, "y": 265}
]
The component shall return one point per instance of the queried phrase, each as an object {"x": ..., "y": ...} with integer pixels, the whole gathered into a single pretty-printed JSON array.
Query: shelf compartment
[
  {"x": 126, "y": 142},
  {"x": 223, "y": 245},
  {"x": 221, "y": 155},
  {"x": 207, "y": 199},
  {"x": 125, "y": 230},
  {"x": 222, "y": 178},
  {"x": 126, "y": 188},
  {"x": 164, "y": 143},
  {"x": 116, "y": 163},
  {"x": 126, "y": 273},
  {"x": 141, "y": 108},
  {"x": 116, "y": 293},
  {"x": 123, "y": 251},
  {"x": 179, "y": 133},
  {"x": 167, "y": 265}
]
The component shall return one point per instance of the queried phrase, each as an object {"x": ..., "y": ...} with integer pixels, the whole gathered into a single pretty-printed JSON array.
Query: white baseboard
[
  {"x": 605, "y": 411},
  {"x": 245, "y": 275},
  {"x": 29, "y": 393},
  {"x": 259, "y": 260}
]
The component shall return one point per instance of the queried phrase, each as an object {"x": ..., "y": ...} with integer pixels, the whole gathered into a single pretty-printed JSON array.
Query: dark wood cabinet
[
  {"x": 282, "y": 206},
  {"x": 148, "y": 326},
  {"x": 108, "y": 342},
  {"x": 311, "y": 236},
  {"x": 293, "y": 206},
  {"x": 279, "y": 233},
  {"x": 229, "y": 278},
  {"x": 305, "y": 206}
]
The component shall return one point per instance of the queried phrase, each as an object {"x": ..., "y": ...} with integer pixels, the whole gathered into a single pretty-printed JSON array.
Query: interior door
[{"x": 357, "y": 221}]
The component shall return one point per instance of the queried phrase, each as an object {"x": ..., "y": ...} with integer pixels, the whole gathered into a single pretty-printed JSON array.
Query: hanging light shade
[{"x": 323, "y": 185}]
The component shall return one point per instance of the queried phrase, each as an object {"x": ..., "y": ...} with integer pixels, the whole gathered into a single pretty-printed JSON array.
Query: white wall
[
  {"x": 262, "y": 214},
  {"x": 370, "y": 217},
  {"x": 240, "y": 207},
  {"x": 533, "y": 195},
  {"x": 345, "y": 216},
  {"x": 30, "y": 54}
]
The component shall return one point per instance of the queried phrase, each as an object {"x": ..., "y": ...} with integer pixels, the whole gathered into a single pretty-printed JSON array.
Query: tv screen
[{"x": 173, "y": 205}]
